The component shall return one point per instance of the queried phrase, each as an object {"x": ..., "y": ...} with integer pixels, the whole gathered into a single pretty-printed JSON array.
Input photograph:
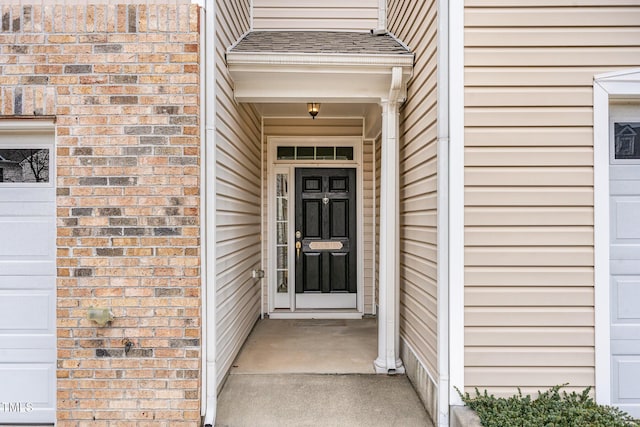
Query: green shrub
[{"x": 551, "y": 409}]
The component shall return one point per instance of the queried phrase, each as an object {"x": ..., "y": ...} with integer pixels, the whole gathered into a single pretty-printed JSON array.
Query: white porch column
[{"x": 389, "y": 293}]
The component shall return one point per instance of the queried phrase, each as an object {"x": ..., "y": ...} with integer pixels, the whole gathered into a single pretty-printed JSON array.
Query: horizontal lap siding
[
  {"x": 237, "y": 216},
  {"x": 415, "y": 23},
  {"x": 368, "y": 224},
  {"x": 529, "y": 185},
  {"x": 359, "y": 15},
  {"x": 378, "y": 161}
]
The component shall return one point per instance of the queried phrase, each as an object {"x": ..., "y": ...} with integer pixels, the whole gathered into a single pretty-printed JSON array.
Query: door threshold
[{"x": 315, "y": 314}]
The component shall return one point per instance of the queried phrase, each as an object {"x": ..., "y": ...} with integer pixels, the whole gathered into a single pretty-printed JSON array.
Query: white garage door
[
  {"x": 27, "y": 278},
  {"x": 625, "y": 262}
]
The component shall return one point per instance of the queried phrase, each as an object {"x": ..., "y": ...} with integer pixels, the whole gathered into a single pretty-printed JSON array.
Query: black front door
[{"x": 325, "y": 237}]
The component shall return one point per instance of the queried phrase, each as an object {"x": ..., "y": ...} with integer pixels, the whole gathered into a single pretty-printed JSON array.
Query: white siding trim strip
[
  {"x": 606, "y": 86},
  {"x": 203, "y": 210},
  {"x": 210, "y": 386},
  {"x": 444, "y": 131},
  {"x": 456, "y": 200}
]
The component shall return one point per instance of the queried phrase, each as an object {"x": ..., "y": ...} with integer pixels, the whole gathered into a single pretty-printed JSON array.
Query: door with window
[
  {"x": 325, "y": 238},
  {"x": 624, "y": 175}
]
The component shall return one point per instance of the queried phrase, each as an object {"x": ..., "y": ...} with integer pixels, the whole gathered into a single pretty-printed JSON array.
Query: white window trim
[
  {"x": 606, "y": 87},
  {"x": 36, "y": 132},
  {"x": 278, "y": 166}
]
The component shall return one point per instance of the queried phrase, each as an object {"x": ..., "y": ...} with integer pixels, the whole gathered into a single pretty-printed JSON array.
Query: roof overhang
[{"x": 321, "y": 77}]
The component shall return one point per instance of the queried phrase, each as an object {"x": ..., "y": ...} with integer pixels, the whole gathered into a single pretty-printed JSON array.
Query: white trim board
[
  {"x": 606, "y": 88},
  {"x": 456, "y": 200}
]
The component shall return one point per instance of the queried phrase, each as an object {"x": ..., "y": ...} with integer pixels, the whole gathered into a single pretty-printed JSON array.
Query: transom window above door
[{"x": 310, "y": 152}]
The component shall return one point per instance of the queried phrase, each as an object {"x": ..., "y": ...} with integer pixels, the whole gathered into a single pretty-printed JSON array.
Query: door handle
[{"x": 298, "y": 246}]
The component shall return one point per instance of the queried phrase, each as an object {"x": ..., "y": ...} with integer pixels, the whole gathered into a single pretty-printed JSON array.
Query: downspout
[{"x": 209, "y": 192}]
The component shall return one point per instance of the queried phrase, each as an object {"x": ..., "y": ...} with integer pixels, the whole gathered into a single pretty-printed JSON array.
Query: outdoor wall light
[
  {"x": 100, "y": 315},
  {"x": 313, "y": 108}
]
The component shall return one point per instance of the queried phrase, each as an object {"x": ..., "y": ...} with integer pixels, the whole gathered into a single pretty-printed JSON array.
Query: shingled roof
[{"x": 324, "y": 42}]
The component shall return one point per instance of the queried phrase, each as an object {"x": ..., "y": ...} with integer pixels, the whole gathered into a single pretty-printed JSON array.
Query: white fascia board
[{"x": 388, "y": 61}]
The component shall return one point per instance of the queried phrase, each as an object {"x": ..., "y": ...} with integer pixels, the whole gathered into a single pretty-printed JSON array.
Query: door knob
[{"x": 298, "y": 246}]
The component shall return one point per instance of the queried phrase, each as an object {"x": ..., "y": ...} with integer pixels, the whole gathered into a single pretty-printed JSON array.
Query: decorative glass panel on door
[{"x": 282, "y": 230}]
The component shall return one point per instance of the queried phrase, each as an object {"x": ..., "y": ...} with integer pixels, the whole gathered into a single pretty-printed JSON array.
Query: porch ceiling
[
  {"x": 321, "y": 66},
  {"x": 299, "y": 109}
]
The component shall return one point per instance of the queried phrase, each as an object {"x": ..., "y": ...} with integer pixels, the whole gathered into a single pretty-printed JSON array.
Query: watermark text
[{"x": 16, "y": 407}]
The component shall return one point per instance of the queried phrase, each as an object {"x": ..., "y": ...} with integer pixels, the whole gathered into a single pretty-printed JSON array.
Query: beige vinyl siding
[
  {"x": 352, "y": 15},
  {"x": 368, "y": 183},
  {"x": 415, "y": 23},
  {"x": 529, "y": 68},
  {"x": 378, "y": 162},
  {"x": 237, "y": 216},
  {"x": 304, "y": 128}
]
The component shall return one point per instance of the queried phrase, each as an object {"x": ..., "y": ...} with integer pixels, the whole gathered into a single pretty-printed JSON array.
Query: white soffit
[{"x": 267, "y": 76}]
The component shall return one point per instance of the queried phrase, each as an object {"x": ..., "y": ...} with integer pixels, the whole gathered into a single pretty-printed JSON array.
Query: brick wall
[{"x": 122, "y": 83}]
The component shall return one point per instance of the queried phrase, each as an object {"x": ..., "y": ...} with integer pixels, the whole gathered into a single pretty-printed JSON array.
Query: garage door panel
[
  {"x": 39, "y": 209},
  {"x": 621, "y": 331},
  {"x": 626, "y": 216},
  {"x": 621, "y": 347},
  {"x": 26, "y": 312},
  {"x": 626, "y": 292},
  {"x": 625, "y": 267},
  {"x": 32, "y": 394},
  {"x": 622, "y": 174},
  {"x": 22, "y": 374},
  {"x": 16, "y": 268},
  {"x": 23, "y": 237},
  {"x": 26, "y": 282},
  {"x": 27, "y": 342},
  {"x": 627, "y": 388},
  {"x": 39, "y": 193},
  {"x": 626, "y": 252},
  {"x": 623, "y": 187},
  {"x": 29, "y": 355}
]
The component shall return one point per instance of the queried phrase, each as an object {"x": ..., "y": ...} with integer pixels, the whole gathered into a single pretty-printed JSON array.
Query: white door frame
[
  {"x": 278, "y": 166},
  {"x": 607, "y": 87}
]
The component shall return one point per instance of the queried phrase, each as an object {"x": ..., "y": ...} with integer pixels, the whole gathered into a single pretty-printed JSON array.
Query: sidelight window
[{"x": 282, "y": 227}]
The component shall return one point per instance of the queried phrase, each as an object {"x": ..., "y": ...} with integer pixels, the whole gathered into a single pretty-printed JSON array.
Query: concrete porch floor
[{"x": 315, "y": 373}]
